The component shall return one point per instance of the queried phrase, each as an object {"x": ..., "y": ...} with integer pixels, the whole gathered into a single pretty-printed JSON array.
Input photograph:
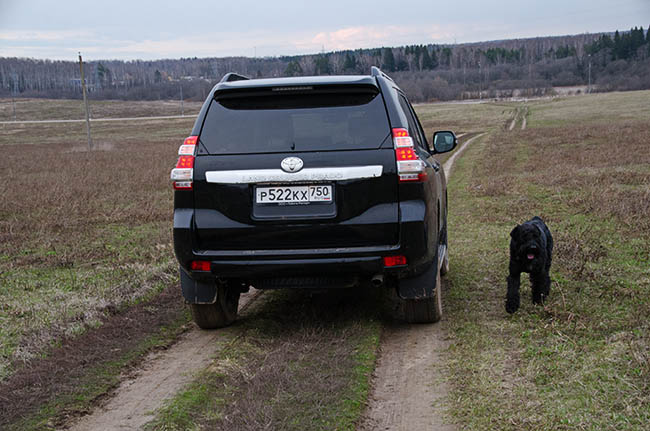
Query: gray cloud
[{"x": 170, "y": 29}]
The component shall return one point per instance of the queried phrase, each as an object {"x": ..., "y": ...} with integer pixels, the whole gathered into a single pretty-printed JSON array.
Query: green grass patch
[
  {"x": 299, "y": 362},
  {"x": 58, "y": 297},
  {"x": 97, "y": 381},
  {"x": 582, "y": 361},
  {"x": 590, "y": 108}
]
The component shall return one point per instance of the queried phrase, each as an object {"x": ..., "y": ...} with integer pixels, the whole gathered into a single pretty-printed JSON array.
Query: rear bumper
[{"x": 362, "y": 261}]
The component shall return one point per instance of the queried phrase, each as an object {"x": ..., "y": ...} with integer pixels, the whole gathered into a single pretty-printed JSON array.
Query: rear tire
[
  {"x": 222, "y": 313},
  {"x": 427, "y": 310}
]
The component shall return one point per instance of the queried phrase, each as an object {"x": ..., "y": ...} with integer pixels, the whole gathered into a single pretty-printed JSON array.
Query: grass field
[
  {"x": 64, "y": 109},
  {"x": 300, "y": 361},
  {"x": 81, "y": 233},
  {"x": 583, "y": 360},
  {"x": 86, "y": 235}
]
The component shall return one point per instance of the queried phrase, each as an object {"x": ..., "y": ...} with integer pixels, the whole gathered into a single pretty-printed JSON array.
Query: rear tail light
[
  {"x": 394, "y": 261},
  {"x": 409, "y": 165},
  {"x": 183, "y": 173},
  {"x": 200, "y": 265}
]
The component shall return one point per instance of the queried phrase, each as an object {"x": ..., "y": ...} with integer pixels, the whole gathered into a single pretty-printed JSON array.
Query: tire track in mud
[
  {"x": 520, "y": 112},
  {"x": 162, "y": 375},
  {"x": 409, "y": 383}
]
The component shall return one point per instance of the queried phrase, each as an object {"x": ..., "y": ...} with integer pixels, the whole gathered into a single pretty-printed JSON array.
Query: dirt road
[
  {"x": 449, "y": 164},
  {"x": 409, "y": 383},
  {"x": 409, "y": 379},
  {"x": 519, "y": 112},
  {"x": 164, "y": 374}
]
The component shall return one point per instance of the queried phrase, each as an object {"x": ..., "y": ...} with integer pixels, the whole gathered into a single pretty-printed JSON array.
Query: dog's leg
[
  {"x": 512, "y": 298},
  {"x": 547, "y": 285},
  {"x": 541, "y": 286}
]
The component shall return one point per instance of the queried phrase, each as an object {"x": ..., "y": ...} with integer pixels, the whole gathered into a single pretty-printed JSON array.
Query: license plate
[{"x": 293, "y": 194}]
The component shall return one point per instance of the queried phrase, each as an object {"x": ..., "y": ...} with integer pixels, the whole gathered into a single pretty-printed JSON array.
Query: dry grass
[
  {"x": 595, "y": 169},
  {"x": 464, "y": 117},
  {"x": 582, "y": 360},
  {"x": 468, "y": 119},
  {"x": 47, "y": 393},
  {"x": 81, "y": 233},
  {"x": 303, "y": 362},
  {"x": 64, "y": 109},
  {"x": 591, "y": 109},
  {"x": 59, "y": 200}
]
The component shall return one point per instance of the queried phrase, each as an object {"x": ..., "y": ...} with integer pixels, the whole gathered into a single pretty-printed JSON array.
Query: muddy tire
[
  {"x": 428, "y": 310},
  {"x": 222, "y": 313}
]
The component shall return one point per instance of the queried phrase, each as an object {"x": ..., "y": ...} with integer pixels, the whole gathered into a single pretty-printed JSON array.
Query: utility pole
[
  {"x": 83, "y": 90},
  {"x": 182, "y": 108},
  {"x": 589, "y": 86},
  {"x": 480, "y": 81},
  {"x": 13, "y": 93}
]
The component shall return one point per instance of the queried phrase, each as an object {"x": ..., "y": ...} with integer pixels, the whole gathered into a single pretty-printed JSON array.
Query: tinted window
[
  {"x": 413, "y": 129},
  {"x": 418, "y": 127},
  {"x": 305, "y": 122}
]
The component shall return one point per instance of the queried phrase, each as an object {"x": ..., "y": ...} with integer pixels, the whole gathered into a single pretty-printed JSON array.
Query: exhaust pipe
[{"x": 377, "y": 280}]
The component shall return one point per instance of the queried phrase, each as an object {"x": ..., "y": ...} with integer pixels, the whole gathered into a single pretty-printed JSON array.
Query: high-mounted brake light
[
  {"x": 183, "y": 173},
  {"x": 409, "y": 166}
]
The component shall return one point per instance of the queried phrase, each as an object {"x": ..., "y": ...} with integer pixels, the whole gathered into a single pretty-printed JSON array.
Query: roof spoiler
[
  {"x": 375, "y": 71},
  {"x": 229, "y": 77}
]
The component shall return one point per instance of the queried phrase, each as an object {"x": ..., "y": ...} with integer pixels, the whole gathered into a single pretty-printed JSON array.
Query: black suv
[{"x": 325, "y": 181}]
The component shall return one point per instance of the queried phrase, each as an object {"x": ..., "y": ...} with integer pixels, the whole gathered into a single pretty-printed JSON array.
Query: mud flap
[
  {"x": 198, "y": 292},
  {"x": 420, "y": 286}
]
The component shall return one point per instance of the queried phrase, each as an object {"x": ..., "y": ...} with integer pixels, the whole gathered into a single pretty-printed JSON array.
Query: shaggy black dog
[{"x": 530, "y": 251}]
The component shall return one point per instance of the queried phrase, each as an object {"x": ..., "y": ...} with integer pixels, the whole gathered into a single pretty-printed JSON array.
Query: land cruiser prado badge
[{"x": 291, "y": 164}]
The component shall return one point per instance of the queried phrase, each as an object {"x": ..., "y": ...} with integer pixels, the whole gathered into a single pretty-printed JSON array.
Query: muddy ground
[{"x": 38, "y": 382}]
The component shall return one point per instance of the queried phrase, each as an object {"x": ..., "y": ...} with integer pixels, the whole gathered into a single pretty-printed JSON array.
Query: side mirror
[{"x": 444, "y": 141}]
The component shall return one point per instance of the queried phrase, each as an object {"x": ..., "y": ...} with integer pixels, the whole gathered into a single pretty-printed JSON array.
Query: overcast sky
[{"x": 147, "y": 29}]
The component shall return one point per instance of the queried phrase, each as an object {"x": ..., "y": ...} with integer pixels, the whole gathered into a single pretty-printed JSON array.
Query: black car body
[{"x": 308, "y": 182}]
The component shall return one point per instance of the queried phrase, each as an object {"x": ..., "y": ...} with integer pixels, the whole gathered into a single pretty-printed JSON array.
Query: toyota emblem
[{"x": 291, "y": 164}]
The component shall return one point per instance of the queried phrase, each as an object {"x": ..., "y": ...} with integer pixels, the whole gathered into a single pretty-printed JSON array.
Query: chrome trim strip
[{"x": 279, "y": 176}]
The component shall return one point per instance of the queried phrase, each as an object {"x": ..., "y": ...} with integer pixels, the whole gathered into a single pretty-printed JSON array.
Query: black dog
[{"x": 530, "y": 251}]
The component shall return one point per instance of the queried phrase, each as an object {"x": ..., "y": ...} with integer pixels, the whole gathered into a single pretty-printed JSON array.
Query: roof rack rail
[
  {"x": 229, "y": 77},
  {"x": 375, "y": 71}
]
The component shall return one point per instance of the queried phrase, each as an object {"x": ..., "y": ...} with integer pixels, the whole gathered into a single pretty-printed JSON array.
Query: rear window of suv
[{"x": 295, "y": 122}]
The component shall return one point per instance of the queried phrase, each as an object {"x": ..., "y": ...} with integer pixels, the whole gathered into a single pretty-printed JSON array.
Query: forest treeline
[{"x": 618, "y": 61}]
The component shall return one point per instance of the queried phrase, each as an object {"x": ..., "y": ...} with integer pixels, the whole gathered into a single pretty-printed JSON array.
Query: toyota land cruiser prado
[{"x": 322, "y": 182}]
